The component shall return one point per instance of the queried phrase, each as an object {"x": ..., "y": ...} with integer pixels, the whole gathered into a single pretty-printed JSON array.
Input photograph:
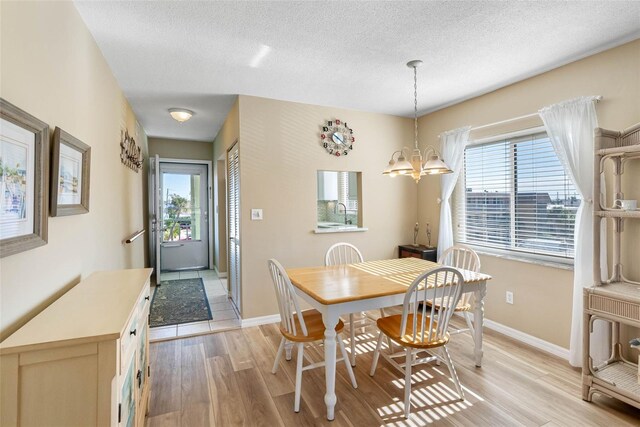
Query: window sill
[
  {"x": 339, "y": 230},
  {"x": 529, "y": 259}
]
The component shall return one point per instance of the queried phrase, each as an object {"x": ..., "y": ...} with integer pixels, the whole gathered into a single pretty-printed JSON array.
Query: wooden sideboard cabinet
[
  {"x": 421, "y": 251},
  {"x": 84, "y": 360}
]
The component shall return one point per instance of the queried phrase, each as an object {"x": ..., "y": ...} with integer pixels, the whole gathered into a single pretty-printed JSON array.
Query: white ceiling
[{"x": 199, "y": 55}]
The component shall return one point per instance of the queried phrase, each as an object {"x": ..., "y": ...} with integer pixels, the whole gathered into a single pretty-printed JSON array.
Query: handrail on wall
[{"x": 135, "y": 235}]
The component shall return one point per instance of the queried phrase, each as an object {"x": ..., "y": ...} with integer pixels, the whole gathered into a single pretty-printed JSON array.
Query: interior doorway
[{"x": 189, "y": 297}]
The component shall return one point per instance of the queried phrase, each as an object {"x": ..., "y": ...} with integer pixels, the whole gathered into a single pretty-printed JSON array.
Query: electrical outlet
[{"x": 509, "y": 297}]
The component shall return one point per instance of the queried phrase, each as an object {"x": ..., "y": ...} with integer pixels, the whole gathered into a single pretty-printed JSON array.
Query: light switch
[{"x": 256, "y": 214}]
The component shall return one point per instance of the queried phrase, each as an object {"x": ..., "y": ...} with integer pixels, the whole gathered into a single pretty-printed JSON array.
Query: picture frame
[
  {"x": 70, "y": 175},
  {"x": 24, "y": 180}
]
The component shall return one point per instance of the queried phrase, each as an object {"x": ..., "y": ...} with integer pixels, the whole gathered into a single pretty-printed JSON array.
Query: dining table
[{"x": 350, "y": 288}]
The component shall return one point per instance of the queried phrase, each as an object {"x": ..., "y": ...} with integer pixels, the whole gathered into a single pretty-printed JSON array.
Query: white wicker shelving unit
[{"x": 616, "y": 300}]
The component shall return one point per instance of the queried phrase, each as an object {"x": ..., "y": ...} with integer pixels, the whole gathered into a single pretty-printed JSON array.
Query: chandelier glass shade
[{"x": 418, "y": 163}]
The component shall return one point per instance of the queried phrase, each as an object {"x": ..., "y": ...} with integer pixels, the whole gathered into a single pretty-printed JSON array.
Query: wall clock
[{"x": 337, "y": 138}]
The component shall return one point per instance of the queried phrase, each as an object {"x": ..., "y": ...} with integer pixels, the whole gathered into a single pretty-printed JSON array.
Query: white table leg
[
  {"x": 478, "y": 320},
  {"x": 330, "y": 321}
]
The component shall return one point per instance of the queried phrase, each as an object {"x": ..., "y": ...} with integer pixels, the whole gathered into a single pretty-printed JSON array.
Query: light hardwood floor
[{"x": 225, "y": 379}]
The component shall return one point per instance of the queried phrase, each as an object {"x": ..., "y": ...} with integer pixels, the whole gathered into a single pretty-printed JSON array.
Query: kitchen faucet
[{"x": 335, "y": 210}]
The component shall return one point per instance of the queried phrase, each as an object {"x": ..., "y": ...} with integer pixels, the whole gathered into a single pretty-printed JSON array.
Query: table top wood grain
[{"x": 371, "y": 279}]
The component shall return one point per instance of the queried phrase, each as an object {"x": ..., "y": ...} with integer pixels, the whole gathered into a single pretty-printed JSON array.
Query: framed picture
[
  {"x": 24, "y": 180},
  {"x": 70, "y": 168}
]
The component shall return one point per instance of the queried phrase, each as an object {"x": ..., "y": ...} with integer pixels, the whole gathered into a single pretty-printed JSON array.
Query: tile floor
[{"x": 222, "y": 310}]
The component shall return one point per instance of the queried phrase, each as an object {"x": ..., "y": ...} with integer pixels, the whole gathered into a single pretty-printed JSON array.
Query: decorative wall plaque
[{"x": 130, "y": 153}]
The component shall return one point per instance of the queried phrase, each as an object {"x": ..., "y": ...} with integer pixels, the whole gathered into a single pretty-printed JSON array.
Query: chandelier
[{"x": 416, "y": 167}]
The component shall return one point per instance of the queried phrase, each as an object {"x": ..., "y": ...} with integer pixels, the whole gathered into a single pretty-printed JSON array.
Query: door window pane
[{"x": 182, "y": 212}]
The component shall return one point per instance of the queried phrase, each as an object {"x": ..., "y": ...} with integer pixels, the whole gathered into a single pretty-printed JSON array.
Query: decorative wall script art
[{"x": 130, "y": 153}]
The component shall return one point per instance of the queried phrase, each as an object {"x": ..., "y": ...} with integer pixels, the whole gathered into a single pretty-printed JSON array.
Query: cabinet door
[
  {"x": 142, "y": 355},
  {"x": 127, "y": 413}
]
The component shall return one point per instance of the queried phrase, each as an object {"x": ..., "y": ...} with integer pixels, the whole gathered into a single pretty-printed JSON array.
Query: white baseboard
[
  {"x": 262, "y": 320},
  {"x": 220, "y": 275},
  {"x": 536, "y": 342}
]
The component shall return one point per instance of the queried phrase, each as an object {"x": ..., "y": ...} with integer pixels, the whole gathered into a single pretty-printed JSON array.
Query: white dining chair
[
  {"x": 300, "y": 327},
  {"x": 422, "y": 328},
  {"x": 461, "y": 256},
  {"x": 346, "y": 253}
]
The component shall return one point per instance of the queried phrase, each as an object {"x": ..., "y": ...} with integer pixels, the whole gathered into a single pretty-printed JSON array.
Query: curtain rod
[{"x": 501, "y": 122}]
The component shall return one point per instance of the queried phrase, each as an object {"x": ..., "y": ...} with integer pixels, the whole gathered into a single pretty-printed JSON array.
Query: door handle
[{"x": 175, "y": 245}]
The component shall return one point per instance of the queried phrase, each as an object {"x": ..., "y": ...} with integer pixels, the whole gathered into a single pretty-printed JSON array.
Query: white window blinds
[
  {"x": 514, "y": 194},
  {"x": 348, "y": 190}
]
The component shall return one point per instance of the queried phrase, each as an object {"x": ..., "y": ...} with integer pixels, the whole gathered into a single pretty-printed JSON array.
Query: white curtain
[
  {"x": 452, "y": 149},
  {"x": 570, "y": 127}
]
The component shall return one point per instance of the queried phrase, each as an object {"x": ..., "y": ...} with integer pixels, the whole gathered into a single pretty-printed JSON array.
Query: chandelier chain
[{"x": 415, "y": 106}]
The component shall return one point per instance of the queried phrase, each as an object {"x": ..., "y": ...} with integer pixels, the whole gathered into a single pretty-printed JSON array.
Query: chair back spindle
[
  {"x": 446, "y": 283},
  {"x": 342, "y": 253},
  {"x": 461, "y": 256},
  {"x": 287, "y": 299}
]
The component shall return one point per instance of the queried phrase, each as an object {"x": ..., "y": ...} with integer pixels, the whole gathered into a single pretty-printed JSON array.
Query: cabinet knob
[
  {"x": 133, "y": 332},
  {"x": 147, "y": 297}
]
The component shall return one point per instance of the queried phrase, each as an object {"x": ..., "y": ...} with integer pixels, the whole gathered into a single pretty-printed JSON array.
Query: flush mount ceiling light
[
  {"x": 415, "y": 167},
  {"x": 180, "y": 114}
]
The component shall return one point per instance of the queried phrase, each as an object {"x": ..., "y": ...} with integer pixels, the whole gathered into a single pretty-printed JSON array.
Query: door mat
[{"x": 179, "y": 301}]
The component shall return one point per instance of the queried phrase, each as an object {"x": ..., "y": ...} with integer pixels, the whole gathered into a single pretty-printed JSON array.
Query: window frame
[{"x": 459, "y": 209}]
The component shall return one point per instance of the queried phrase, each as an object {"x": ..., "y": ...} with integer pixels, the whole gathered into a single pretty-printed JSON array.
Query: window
[
  {"x": 514, "y": 194},
  {"x": 338, "y": 195}
]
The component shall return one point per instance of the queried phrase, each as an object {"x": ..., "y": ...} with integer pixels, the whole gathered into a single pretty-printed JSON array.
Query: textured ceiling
[{"x": 199, "y": 55}]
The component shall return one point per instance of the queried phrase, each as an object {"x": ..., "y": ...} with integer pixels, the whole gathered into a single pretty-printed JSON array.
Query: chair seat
[
  {"x": 315, "y": 327},
  {"x": 390, "y": 326}
]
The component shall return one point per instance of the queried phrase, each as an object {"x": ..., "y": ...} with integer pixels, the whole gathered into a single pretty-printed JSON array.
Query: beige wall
[
  {"x": 280, "y": 153},
  {"x": 52, "y": 68},
  {"x": 179, "y": 149},
  {"x": 227, "y": 135},
  {"x": 543, "y": 295}
]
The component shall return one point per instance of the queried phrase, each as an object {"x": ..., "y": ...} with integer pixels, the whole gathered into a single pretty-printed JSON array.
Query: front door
[{"x": 184, "y": 211}]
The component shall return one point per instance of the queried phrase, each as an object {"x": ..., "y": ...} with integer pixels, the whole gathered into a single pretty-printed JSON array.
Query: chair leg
[
  {"x": 407, "y": 382},
  {"x": 353, "y": 340},
  {"x": 452, "y": 371},
  {"x": 296, "y": 406},
  {"x": 389, "y": 342},
  {"x": 278, "y": 355},
  {"x": 346, "y": 361},
  {"x": 376, "y": 355},
  {"x": 467, "y": 317},
  {"x": 288, "y": 346}
]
